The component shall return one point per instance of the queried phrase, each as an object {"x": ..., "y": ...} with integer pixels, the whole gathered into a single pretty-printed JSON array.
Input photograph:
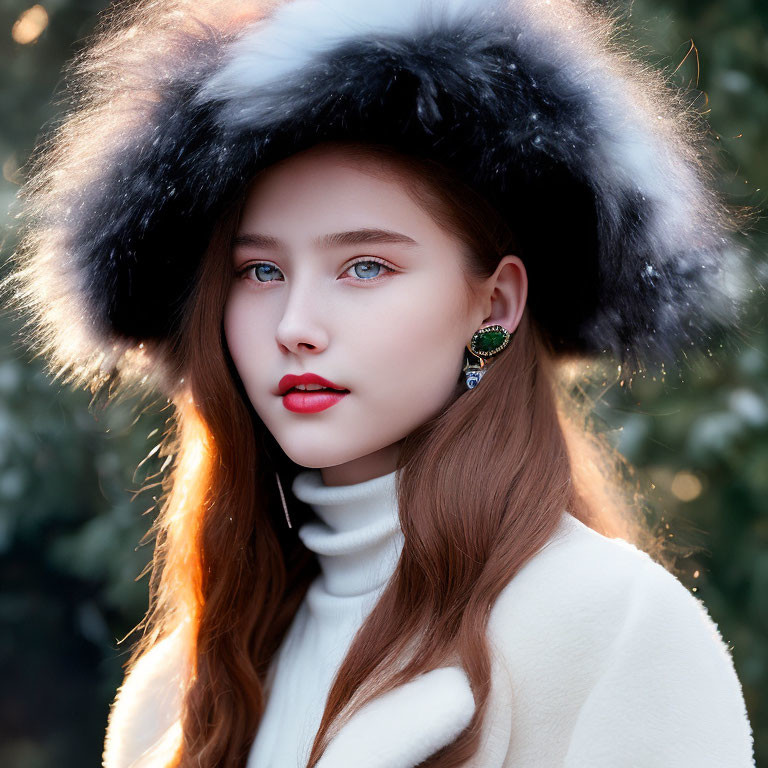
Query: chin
[{"x": 312, "y": 457}]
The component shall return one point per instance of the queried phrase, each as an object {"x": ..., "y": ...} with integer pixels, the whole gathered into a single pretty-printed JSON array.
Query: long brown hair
[{"x": 480, "y": 488}]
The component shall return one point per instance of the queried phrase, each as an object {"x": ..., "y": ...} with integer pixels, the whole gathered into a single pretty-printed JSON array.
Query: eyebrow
[{"x": 335, "y": 240}]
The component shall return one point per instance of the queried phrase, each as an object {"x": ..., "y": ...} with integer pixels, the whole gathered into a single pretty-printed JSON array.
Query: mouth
[
  {"x": 312, "y": 400},
  {"x": 307, "y": 382},
  {"x": 315, "y": 391}
]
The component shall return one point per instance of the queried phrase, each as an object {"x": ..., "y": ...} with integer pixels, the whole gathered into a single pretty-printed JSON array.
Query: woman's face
[{"x": 339, "y": 273}]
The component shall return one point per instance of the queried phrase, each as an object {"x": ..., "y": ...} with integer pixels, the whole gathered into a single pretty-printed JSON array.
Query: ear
[{"x": 504, "y": 294}]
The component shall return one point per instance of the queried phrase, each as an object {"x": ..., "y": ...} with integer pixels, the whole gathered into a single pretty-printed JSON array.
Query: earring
[
  {"x": 485, "y": 343},
  {"x": 282, "y": 498}
]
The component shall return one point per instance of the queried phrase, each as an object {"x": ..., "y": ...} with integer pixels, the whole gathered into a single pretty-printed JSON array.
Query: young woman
[{"x": 428, "y": 210}]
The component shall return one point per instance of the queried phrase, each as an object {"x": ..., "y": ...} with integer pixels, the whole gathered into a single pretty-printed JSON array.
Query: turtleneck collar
[{"x": 357, "y": 537}]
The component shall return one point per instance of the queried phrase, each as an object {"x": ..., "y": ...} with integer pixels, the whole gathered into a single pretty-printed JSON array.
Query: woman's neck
[{"x": 367, "y": 467}]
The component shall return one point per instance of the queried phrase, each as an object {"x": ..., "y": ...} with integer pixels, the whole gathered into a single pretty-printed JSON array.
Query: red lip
[
  {"x": 291, "y": 380},
  {"x": 311, "y": 402}
]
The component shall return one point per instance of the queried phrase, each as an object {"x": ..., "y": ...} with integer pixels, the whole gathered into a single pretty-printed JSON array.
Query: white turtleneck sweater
[{"x": 357, "y": 540}]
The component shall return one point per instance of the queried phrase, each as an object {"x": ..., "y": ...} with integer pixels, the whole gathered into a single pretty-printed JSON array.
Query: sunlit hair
[{"x": 480, "y": 488}]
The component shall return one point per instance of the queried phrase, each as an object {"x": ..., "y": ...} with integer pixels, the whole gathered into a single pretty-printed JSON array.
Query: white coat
[{"x": 601, "y": 659}]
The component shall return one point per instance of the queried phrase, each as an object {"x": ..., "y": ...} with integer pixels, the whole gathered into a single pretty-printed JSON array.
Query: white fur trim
[{"x": 406, "y": 725}]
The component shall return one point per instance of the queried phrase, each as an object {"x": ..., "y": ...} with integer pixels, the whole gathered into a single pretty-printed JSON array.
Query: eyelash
[{"x": 366, "y": 260}]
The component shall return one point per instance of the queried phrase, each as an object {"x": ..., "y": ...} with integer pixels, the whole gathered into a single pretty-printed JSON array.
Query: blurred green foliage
[{"x": 71, "y": 518}]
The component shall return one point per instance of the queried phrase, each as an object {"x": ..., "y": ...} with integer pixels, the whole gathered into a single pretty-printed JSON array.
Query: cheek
[
  {"x": 418, "y": 346},
  {"x": 245, "y": 343}
]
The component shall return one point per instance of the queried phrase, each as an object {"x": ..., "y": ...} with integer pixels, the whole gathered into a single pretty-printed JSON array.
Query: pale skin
[{"x": 394, "y": 339}]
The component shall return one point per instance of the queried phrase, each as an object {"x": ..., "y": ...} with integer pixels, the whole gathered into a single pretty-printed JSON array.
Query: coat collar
[
  {"x": 398, "y": 729},
  {"x": 406, "y": 725}
]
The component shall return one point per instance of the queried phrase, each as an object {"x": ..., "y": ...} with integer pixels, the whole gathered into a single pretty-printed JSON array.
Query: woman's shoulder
[
  {"x": 595, "y": 627},
  {"x": 143, "y": 719},
  {"x": 581, "y": 576},
  {"x": 583, "y": 587}
]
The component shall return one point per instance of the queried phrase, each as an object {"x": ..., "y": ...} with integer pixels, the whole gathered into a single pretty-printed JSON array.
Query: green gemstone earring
[{"x": 485, "y": 343}]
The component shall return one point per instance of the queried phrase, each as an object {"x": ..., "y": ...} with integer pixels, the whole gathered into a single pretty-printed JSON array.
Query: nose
[{"x": 303, "y": 322}]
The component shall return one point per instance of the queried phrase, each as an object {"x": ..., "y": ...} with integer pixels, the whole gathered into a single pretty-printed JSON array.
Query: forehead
[{"x": 330, "y": 189}]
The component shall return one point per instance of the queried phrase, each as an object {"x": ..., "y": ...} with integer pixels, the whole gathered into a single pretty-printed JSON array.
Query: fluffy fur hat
[{"x": 598, "y": 164}]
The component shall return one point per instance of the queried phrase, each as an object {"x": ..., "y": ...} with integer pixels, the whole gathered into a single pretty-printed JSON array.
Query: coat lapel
[
  {"x": 406, "y": 725},
  {"x": 398, "y": 729}
]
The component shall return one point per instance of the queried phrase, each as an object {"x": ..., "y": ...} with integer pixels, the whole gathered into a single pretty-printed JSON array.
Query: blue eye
[
  {"x": 267, "y": 270},
  {"x": 367, "y": 271},
  {"x": 379, "y": 265}
]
